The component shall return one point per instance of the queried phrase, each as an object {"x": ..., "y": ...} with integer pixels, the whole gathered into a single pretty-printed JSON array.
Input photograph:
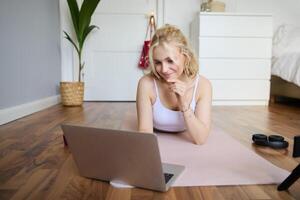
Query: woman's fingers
[{"x": 178, "y": 89}]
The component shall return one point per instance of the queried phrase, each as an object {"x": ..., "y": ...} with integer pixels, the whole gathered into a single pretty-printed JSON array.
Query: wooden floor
[{"x": 34, "y": 164}]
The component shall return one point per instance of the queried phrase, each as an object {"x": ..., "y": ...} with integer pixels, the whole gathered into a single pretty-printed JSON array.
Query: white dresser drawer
[
  {"x": 238, "y": 25},
  {"x": 234, "y": 52},
  {"x": 240, "y": 89},
  {"x": 219, "y": 47},
  {"x": 235, "y": 68}
]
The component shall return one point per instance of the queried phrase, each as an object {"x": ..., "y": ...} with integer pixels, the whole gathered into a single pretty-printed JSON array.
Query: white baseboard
[{"x": 13, "y": 113}]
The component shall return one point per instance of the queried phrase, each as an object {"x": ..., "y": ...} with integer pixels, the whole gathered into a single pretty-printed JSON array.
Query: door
[{"x": 112, "y": 52}]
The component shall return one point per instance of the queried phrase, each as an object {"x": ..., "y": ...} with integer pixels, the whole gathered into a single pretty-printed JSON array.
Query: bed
[{"x": 285, "y": 79}]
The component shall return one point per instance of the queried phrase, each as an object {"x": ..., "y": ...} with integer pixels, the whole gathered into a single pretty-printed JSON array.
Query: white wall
[
  {"x": 181, "y": 13},
  {"x": 284, "y": 11}
]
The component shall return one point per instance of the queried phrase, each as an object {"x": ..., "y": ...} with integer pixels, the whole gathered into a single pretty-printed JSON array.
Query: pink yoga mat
[{"x": 220, "y": 161}]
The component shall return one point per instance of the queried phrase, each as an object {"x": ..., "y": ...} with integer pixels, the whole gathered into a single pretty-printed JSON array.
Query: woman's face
[{"x": 168, "y": 61}]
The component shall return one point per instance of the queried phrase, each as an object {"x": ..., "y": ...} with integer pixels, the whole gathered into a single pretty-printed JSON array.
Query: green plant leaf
[
  {"x": 81, "y": 21},
  {"x": 73, "y": 6},
  {"x": 85, "y": 14},
  {"x": 85, "y": 34},
  {"x": 81, "y": 66},
  {"x": 67, "y": 36}
]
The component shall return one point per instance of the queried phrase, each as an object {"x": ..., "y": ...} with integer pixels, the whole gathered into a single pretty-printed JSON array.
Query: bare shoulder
[
  {"x": 204, "y": 83},
  {"x": 146, "y": 86},
  {"x": 204, "y": 87},
  {"x": 146, "y": 82}
]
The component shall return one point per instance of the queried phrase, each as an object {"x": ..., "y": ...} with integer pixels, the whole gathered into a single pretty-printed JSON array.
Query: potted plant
[{"x": 72, "y": 92}]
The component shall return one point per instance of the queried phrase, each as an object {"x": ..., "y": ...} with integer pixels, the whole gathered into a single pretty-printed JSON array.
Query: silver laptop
[{"x": 121, "y": 156}]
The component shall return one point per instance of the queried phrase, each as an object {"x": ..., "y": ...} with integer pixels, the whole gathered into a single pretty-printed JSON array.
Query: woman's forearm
[
  {"x": 196, "y": 128},
  {"x": 145, "y": 130}
]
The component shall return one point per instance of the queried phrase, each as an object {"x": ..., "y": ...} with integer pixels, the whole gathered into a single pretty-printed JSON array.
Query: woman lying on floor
[{"x": 173, "y": 97}]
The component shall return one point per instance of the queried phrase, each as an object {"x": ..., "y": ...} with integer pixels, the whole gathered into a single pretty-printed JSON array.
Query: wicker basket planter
[{"x": 72, "y": 93}]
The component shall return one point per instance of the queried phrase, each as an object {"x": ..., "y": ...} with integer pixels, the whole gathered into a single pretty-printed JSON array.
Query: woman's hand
[{"x": 181, "y": 89}]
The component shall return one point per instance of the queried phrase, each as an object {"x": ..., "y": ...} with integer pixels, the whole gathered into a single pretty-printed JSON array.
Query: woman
[{"x": 173, "y": 97}]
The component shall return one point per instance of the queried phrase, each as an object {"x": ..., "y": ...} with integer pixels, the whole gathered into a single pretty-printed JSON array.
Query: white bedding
[
  {"x": 287, "y": 66},
  {"x": 286, "y": 53}
]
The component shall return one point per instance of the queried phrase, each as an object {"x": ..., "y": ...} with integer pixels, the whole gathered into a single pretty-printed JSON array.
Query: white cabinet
[{"x": 234, "y": 51}]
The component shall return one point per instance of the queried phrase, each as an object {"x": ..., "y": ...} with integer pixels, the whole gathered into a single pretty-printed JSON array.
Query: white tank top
[{"x": 165, "y": 119}]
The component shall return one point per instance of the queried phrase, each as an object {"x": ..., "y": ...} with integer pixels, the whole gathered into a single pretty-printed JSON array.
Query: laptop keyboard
[{"x": 168, "y": 177}]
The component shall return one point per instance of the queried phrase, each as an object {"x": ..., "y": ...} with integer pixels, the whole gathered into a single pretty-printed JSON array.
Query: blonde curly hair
[{"x": 171, "y": 34}]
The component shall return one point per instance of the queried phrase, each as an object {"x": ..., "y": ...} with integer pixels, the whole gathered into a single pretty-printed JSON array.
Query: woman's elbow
[{"x": 202, "y": 139}]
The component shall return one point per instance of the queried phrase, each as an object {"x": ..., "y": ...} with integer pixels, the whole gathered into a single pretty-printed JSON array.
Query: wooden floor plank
[
  {"x": 7, "y": 194},
  {"x": 138, "y": 193},
  {"x": 230, "y": 192},
  {"x": 255, "y": 192},
  {"x": 116, "y": 193},
  {"x": 35, "y": 185},
  {"x": 274, "y": 194},
  {"x": 65, "y": 175},
  {"x": 211, "y": 193}
]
